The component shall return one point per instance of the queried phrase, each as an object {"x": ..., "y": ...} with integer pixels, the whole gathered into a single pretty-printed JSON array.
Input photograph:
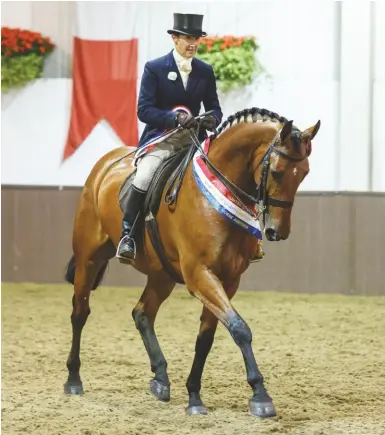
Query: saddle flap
[
  {"x": 156, "y": 187},
  {"x": 162, "y": 175}
]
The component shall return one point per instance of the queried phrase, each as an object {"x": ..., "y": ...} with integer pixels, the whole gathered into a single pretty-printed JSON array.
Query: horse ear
[
  {"x": 312, "y": 131},
  {"x": 286, "y": 130}
]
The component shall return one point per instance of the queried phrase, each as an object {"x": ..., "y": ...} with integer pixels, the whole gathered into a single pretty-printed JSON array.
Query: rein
[
  {"x": 262, "y": 199},
  {"x": 235, "y": 190}
]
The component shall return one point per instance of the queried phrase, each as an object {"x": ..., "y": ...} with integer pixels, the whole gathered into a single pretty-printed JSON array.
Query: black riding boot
[{"x": 127, "y": 248}]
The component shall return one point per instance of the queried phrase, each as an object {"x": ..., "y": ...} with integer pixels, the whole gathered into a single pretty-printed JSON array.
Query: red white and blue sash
[{"x": 221, "y": 198}]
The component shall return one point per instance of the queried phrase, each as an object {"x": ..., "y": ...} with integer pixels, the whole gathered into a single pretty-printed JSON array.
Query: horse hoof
[
  {"x": 72, "y": 388},
  {"x": 262, "y": 409},
  {"x": 160, "y": 391},
  {"x": 196, "y": 410}
]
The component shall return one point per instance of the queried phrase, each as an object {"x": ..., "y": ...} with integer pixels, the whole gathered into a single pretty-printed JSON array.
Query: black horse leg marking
[
  {"x": 261, "y": 403},
  {"x": 206, "y": 286},
  {"x": 80, "y": 312},
  {"x": 203, "y": 346},
  {"x": 160, "y": 385},
  {"x": 205, "y": 339},
  {"x": 144, "y": 315},
  {"x": 78, "y": 320}
]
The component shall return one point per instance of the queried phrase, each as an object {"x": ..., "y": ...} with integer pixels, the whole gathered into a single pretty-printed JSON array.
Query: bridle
[{"x": 262, "y": 200}]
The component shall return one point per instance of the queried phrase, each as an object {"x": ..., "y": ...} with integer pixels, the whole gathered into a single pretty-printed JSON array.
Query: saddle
[{"x": 170, "y": 173}]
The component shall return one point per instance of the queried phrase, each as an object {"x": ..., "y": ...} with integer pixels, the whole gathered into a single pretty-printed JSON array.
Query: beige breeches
[{"x": 149, "y": 163}]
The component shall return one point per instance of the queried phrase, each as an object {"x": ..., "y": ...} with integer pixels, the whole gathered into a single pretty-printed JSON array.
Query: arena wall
[{"x": 337, "y": 243}]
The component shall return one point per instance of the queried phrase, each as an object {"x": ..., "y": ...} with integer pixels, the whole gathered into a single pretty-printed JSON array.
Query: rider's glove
[
  {"x": 209, "y": 123},
  {"x": 186, "y": 121}
]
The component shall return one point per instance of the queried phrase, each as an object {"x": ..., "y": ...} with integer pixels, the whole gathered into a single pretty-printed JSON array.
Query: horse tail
[
  {"x": 71, "y": 270},
  {"x": 100, "y": 275}
]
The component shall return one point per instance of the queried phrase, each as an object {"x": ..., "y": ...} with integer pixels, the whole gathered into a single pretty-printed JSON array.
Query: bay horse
[{"x": 263, "y": 158}]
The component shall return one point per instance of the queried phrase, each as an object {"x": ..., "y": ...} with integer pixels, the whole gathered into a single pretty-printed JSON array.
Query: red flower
[
  {"x": 224, "y": 42},
  {"x": 14, "y": 40}
]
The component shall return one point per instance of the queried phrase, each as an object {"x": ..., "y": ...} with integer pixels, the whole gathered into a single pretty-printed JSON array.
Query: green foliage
[
  {"x": 233, "y": 60},
  {"x": 22, "y": 56},
  {"x": 17, "y": 71}
]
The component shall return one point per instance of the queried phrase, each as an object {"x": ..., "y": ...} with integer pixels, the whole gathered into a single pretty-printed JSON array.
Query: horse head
[{"x": 280, "y": 167}]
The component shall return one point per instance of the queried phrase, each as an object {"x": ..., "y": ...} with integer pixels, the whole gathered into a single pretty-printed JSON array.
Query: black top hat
[{"x": 188, "y": 24}]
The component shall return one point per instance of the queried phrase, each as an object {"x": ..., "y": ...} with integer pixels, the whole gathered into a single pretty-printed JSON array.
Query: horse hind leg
[
  {"x": 86, "y": 275},
  {"x": 158, "y": 288}
]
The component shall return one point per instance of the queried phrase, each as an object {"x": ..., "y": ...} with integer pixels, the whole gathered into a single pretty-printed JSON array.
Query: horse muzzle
[{"x": 272, "y": 235}]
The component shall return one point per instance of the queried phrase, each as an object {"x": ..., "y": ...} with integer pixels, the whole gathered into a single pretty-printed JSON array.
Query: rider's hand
[
  {"x": 209, "y": 122},
  {"x": 186, "y": 121}
]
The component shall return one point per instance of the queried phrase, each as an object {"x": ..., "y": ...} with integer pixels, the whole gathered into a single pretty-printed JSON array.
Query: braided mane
[{"x": 250, "y": 116}]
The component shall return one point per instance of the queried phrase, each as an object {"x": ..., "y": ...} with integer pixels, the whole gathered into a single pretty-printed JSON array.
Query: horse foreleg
[
  {"x": 157, "y": 290},
  {"x": 207, "y": 287},
  {"x": 203, "y": 346}
]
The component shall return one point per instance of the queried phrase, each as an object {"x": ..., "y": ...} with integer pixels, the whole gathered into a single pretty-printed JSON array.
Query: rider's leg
[
  {"x": 127, "y": 248},
  {"x": 146, "y": 169}
]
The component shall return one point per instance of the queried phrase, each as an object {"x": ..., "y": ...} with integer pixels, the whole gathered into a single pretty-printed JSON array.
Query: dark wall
[{"x": 337, "y": 244}]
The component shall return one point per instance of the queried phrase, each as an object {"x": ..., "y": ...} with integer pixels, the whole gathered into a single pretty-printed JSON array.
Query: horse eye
[{"x": 277, "y": 175}]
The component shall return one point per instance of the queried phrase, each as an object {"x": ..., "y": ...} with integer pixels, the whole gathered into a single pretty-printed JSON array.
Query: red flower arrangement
[
  {"x": 232, "y": 58},
  {"x": 220, "y": 43},
  {"x": 22, "y": 56},
  {"x": 16, "y": 42}
]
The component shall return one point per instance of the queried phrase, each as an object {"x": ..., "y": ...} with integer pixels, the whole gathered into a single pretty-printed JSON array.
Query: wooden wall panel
[{"x": 337, "y": 244}]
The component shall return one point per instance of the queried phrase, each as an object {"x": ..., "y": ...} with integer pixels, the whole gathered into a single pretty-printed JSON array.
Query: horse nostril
[{"x": 271, "y": 234}]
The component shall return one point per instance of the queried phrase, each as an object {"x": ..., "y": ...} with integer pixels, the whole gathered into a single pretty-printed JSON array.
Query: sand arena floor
[{"x": 323, "y": 358}]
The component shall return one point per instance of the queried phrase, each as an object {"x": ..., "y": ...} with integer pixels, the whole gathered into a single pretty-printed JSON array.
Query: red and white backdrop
[
  {"x": 105, "y": 63},
  {"x": 55, "y": 129}
]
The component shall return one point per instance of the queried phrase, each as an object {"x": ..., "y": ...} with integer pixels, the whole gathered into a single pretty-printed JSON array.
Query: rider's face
[{"x": 186, "y": 45}]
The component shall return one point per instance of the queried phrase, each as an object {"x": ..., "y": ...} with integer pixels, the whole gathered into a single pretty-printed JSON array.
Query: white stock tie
[{"x": 185, "y": 66}]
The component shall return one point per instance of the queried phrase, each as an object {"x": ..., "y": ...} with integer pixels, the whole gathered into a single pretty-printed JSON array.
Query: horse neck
[{"x": 233, "y": 152}]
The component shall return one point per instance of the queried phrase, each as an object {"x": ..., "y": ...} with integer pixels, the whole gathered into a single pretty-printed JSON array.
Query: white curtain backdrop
[{"x": 324, "y": 59}]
